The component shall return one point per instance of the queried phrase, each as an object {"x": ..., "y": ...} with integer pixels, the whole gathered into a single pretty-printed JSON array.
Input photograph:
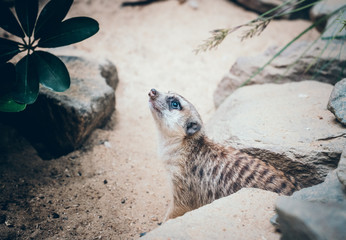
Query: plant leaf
[
  {"x": 8, "y": 49},
  {"x": 27, "y": 13},
  {"x": 51, "y": 71},
  {"x": 8, "y": 78},
  {"x": 70, "y": 31},
  {"x": 27, "y": 84},
  {"x": 8, "y": 21},
  {"x": 52, "y": 13},
  {"x": 9, "y": 105}
]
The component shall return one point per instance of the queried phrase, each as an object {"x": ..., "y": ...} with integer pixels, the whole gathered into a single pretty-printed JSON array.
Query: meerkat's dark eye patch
[
  {"x": 173, "y": 103},
  {"x": 192, "y": 127}
]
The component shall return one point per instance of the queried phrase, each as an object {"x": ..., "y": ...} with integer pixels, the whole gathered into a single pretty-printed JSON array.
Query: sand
[{"x": 115, "y": 187}]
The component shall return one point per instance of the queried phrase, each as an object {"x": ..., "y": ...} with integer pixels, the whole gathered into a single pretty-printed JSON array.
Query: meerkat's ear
[{"x": 192, "y": 127}]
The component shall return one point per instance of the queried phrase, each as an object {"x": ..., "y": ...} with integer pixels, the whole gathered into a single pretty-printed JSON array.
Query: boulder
[
  {"x": 337, "y": 101},
  {"x": 59, "y": 122},
  {"x": 322, "y": 9},
  {"x": 330, "y": 191},
  {"x": 286, "y": 125},
  {"x": 300, "y": 219},
  {"x": 317, "y": 212},
  {"x": 327, "y": 66},
  {"x": 334, "y": 26},
  {"x": 242, "y": 215}
]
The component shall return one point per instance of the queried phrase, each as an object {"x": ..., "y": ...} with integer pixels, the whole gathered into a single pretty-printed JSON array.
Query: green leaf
[
  {"x": 7, "y": 82},
  {"x": 52, "y": 13},
  {"x": 8, "y": 21},
  {"x": 8, "y": 49},
  {"x": 70, "y": 31},
  {"x": 8, "y": 78},
  {"x": 51, "y": 71},
  {"x": 27, "y": 13},
  {"x": 27, "y": 84},
  {"x": 9, "y": 105}
]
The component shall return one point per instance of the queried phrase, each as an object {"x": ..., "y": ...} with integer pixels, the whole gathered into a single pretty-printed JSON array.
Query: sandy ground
[{"x": 115, "y": 187}]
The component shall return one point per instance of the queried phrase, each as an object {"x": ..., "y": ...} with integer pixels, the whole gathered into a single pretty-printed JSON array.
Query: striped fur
[{"x": 200, "y": 170}]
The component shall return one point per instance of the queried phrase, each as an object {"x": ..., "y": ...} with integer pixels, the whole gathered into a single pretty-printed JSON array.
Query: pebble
[
  {"x": 9, "y": 224},
  {"x": 55, "y": 215},
  {"x": 107, "y": 144}
]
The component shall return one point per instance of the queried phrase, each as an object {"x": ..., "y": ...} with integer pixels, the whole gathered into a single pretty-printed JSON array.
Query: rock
[
  {"x": 330, "y": 191},
  {"x": 337, "y": 101},
  {"x": 286, "y": 125},
  {"x": 287, "y": 67},
  {"x": 317, "y": 212},
  {"x": 341, "y": 170},
  {"x": 301, "y": 219},
  {"x": 242, "y": 215},
  {"x": 59, "y": 123},
  {"x": 334, "y": 26},
  {"x": 322, "y": 9}
]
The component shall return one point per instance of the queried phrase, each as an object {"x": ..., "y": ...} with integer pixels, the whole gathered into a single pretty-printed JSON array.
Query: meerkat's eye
[{"x": 175, "y": 105}]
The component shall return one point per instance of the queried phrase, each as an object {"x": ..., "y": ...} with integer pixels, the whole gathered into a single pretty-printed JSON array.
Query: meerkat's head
[{"x": 174, "y": 115}]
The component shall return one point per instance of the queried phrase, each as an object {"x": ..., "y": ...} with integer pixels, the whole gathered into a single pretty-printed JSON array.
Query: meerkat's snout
[
  {"x": 174, "y": 115},
  {"x": 153, "y": 94}
]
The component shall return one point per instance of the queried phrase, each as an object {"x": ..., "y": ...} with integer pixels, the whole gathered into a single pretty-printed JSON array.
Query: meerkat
[{"x": 199, "y": 169}]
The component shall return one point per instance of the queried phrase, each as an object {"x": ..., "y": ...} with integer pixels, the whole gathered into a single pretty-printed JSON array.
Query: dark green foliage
[
  {"x": 53, "y": 72},
  {"x": 7, "y": 84},
  {"x": 8, "y": 49},
  {"x": 27, "y": 84},
  {"x": 19, "y": 84},
  {"x": 70, "y": 31},
  {"x": 53, "y": 13},
  {"x": 27, "y": 13},
  {"x": 8, "y": 22}
]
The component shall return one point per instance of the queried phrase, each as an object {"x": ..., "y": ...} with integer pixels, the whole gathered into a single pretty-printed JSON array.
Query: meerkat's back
[{"x": 201, "y": 170}]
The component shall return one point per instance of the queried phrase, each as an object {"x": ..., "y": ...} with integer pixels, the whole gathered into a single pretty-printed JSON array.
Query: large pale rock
[
  {"x": 59, "y": 123},
  {"x": 287, "y": 67},
  {"x": 286, "y": 125},
  {"x": 243, "y": 215},
  {"x": 337, "y": 101}
]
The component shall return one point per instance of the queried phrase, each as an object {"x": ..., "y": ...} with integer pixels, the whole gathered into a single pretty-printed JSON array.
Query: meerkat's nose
[{"x": 153, "y": 93}]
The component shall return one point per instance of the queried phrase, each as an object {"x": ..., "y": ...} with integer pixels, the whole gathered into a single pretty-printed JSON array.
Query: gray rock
[
  {"x": 290, "y": 66},
  {"x": 322, "y": 9},
  {"x": 337, "y": 101},
  {"x": 330, "y": 191},
  {"x": 334, "y": 26},
  {"x": 243, "y": 215},
  {"x": 301, "y": 219},
  {"x": 286, "y": 125},
  {"x": 317, "y": 212},
  {"x": 60, "y": 122},
  {"x": 341, "y": 170}
]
